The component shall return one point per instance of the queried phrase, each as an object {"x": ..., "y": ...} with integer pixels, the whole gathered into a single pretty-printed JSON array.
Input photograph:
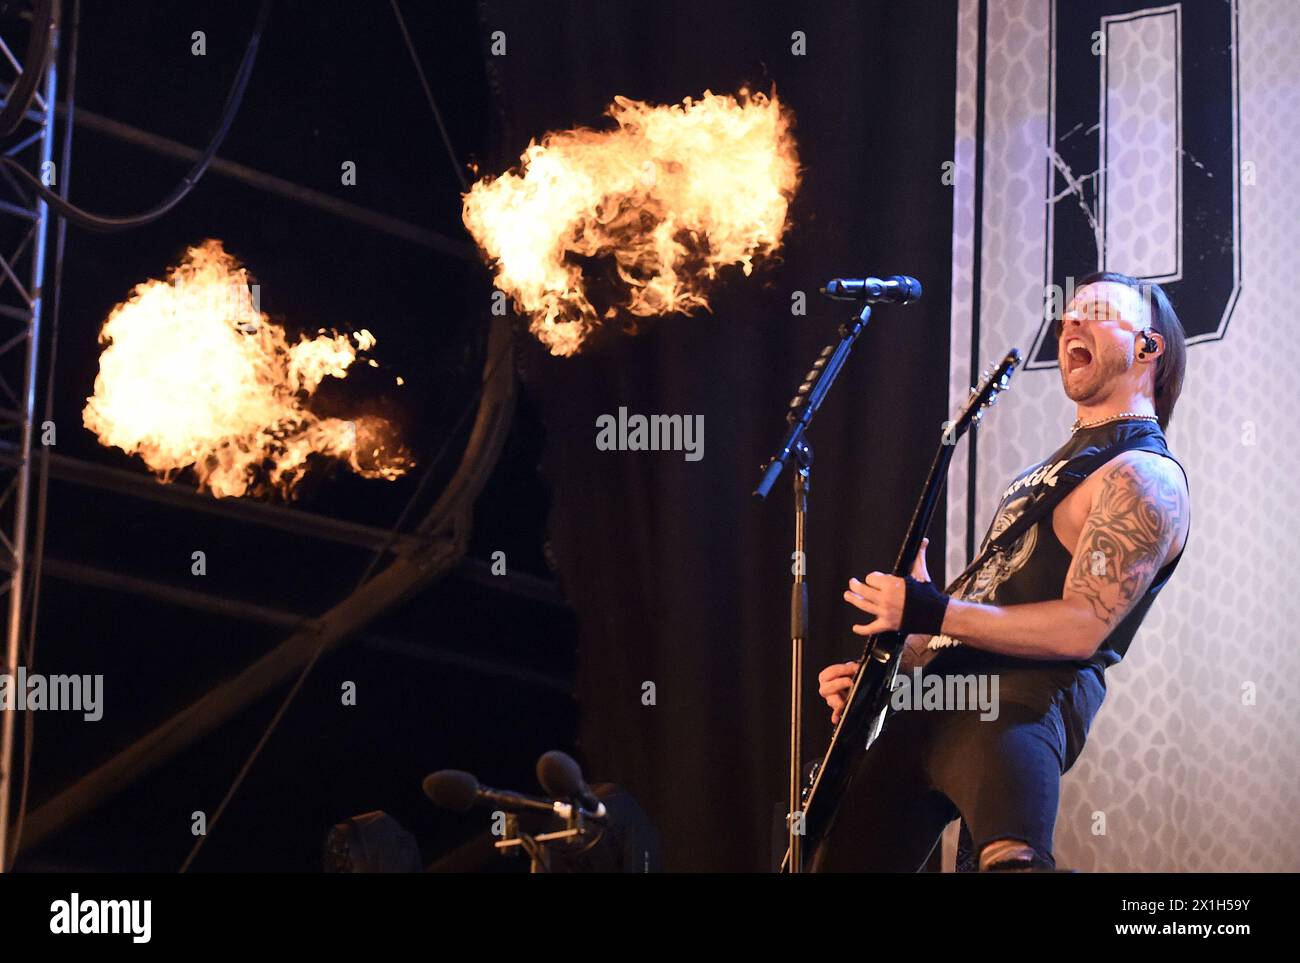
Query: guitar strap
[{"x": 1067, "y": 480}]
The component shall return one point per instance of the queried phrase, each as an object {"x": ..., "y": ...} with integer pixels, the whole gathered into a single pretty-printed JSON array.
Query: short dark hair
[{"x": 1172, "y": 364}]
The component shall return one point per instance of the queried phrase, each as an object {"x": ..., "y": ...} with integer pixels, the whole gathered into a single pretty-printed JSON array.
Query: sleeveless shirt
[{"x": 1034, "y": 569}]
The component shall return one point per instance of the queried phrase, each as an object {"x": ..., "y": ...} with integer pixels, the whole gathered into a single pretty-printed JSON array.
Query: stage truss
[{"x": 23, "y": 237}]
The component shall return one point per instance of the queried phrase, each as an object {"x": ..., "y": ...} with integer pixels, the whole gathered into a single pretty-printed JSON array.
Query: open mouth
[{"x": 1077, "y": 356}]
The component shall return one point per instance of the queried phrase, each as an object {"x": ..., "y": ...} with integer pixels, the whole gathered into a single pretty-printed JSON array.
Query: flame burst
[
  {"x": 671, "y": 196},
  {"x": 193, "y": 375}
]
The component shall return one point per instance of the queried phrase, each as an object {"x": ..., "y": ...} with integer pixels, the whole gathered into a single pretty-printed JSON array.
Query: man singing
[{"x": 1047, "y": 609}]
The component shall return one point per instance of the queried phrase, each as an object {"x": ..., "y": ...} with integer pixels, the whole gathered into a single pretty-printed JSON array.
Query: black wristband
[{"x": 924, "y": 607}]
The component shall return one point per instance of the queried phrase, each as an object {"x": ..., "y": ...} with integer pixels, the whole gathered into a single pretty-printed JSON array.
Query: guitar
[{"x": 867, "y": 703}]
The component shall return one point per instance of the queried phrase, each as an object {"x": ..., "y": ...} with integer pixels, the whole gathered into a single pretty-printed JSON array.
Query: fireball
[
  {"x": 667, "y": 199},
  {"x": 193, "y": 375}
]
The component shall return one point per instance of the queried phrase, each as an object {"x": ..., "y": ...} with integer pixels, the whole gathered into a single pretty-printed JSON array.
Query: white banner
[{"x": 1157, "y": 140}]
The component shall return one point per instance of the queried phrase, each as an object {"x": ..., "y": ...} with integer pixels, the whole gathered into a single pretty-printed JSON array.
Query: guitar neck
[{"x": 926, "y": 505}]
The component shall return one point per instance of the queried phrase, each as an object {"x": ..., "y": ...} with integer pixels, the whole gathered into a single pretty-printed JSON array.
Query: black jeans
[{"x": 1002, "y": 776}]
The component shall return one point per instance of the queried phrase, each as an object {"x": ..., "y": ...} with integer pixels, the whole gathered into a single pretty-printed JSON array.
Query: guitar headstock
[{"x": 996, "y": 379}]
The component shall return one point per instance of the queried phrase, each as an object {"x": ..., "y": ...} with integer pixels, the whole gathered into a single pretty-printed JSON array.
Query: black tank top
[{"x": 1035, "y": 567}]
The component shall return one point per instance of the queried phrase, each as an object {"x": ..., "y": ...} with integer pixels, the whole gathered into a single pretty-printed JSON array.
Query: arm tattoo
[{"x": 1137, "y": 516}]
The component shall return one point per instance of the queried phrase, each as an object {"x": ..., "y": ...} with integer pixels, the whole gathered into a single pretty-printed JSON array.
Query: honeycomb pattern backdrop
[{"x": 1193, "y": 763}]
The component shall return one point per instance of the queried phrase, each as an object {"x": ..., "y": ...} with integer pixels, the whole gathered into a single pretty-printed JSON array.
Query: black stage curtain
[{"x": 679, "y": 576}]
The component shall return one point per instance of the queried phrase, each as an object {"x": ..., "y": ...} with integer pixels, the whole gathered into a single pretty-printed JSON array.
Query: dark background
[{"x": 673, "y": 573}]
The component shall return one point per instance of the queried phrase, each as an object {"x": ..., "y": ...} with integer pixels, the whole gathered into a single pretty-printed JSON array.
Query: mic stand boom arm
[{"x": 816, "y": 385}]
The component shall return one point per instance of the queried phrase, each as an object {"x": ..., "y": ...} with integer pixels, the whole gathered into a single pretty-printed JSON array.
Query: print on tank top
[{"x": 982, "y": 584}]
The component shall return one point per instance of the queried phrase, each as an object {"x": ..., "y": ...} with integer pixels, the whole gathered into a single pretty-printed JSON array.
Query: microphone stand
[{"x": 803, "y": 407}]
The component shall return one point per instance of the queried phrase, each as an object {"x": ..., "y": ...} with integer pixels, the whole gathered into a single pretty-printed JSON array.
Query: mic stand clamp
[{"x": 539, "y": 846}]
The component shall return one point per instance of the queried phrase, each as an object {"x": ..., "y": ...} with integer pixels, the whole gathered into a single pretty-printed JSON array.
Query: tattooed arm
[
  {"x": 1137, "y": 520},
  {"x": 1139, "y": 513}
]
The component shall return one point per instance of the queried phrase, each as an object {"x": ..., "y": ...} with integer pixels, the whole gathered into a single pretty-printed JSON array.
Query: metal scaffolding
[{"x": 22, "y": 276}]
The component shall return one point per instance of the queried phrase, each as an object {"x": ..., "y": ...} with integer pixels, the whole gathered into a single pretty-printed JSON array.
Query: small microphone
[
  {"x": 896, "y": 289},
  {"x": 460, "y": 792},
  {"x": 561, "y": 776}
]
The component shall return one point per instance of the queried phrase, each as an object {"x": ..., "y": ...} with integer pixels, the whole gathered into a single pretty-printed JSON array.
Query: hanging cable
[
  {"x": 98, "y": 222},
  {"x": 428, "y": 93},
  {"x": 23, "y": 90}
]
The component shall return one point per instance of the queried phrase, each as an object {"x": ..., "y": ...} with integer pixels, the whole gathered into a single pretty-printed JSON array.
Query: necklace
[{"x": 1080, "y": 425}]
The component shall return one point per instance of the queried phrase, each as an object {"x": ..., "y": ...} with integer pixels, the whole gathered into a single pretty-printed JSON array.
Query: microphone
[
  {"x": 460, "y": 791},
  {"x": 561, "y": 777},
  {"x": 895, "y": 289}
]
